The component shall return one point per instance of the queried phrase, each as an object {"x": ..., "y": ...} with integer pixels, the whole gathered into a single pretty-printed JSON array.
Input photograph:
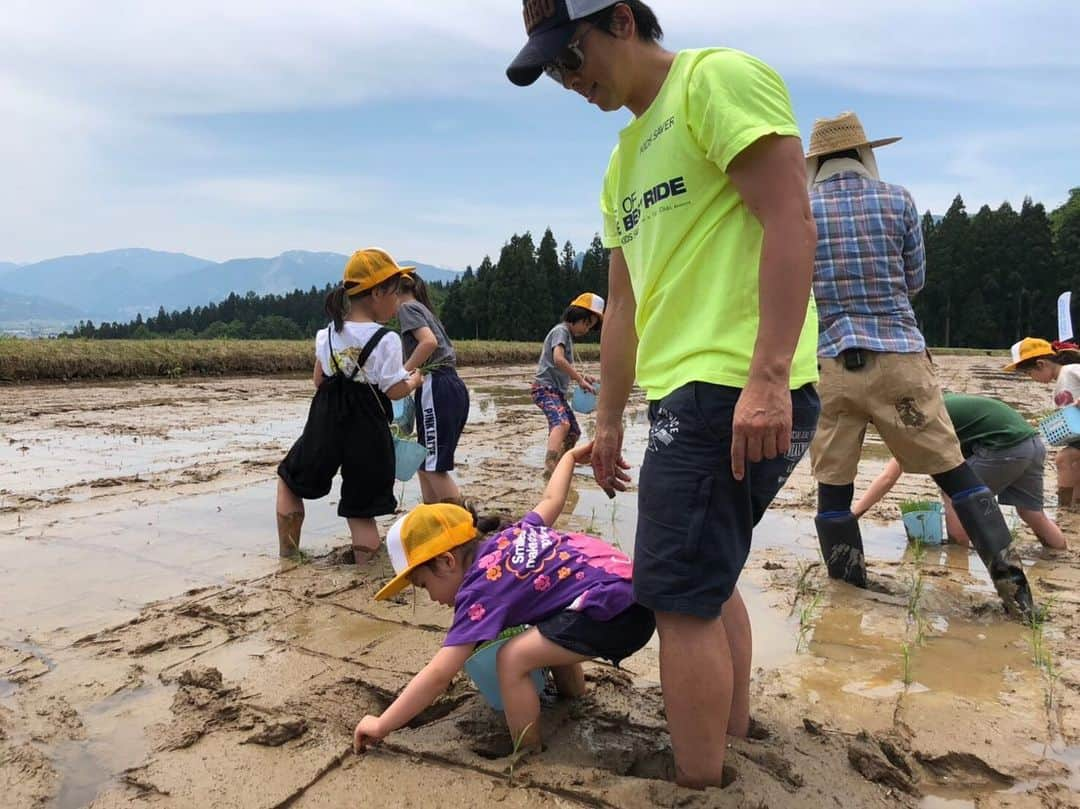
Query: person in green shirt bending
[
  {"x": 706, "y": 214},
  {"x": 1003, "y": 450}
]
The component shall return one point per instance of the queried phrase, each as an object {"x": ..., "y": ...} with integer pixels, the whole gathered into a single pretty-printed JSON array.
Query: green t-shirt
[
  {"x": 692, "y": 246},
  {"x": 986, "y": 422}
]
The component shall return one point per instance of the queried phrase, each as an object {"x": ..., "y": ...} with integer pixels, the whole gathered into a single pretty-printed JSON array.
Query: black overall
[{"x": 348, "y": 428}]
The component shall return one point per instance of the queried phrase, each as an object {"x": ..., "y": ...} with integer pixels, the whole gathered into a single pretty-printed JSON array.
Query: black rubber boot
[
  {"x": 982, "y": 519},
  {"x": 841, "y": 546}
]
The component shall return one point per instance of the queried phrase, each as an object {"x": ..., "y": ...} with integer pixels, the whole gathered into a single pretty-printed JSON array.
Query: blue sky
[{"x": 250, "y": 128}]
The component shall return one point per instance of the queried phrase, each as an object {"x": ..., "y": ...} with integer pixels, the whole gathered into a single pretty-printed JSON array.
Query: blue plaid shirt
[{"x": 870, "y": 261}]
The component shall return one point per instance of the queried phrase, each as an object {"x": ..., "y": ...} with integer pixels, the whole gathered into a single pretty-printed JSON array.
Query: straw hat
[{"x": 839, "y": 134}]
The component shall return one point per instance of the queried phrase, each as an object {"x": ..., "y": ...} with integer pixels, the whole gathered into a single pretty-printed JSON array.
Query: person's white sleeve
[{"x": 389, "y": 368}]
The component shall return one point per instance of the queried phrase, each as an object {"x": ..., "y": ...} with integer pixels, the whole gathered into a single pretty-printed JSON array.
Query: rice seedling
[
  {"x": 515, "y": 755},
  {"x": 807, "y": 616}
]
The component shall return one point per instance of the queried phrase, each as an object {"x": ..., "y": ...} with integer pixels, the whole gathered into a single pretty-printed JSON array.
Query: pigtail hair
[{"x": 337, "y": 306}]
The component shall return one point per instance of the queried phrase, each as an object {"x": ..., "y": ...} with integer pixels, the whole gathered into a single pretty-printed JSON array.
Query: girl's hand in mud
[
  {"x": 368, "y": 731},
  {"x": 609, "y": 466}
]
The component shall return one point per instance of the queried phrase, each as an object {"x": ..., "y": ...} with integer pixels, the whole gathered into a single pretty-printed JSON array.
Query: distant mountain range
[{"x": 119, "y": 284}]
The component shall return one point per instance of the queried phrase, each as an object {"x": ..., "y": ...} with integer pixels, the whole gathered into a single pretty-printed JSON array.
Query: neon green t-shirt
[{"x": 692, "y": 246}]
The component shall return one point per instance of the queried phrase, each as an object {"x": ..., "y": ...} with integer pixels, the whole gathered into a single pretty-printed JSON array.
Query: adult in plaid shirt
[{"x": 874, "y": 365}]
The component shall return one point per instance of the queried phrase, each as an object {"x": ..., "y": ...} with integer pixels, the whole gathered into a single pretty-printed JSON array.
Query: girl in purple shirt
[{"x": 573, "y": 590}]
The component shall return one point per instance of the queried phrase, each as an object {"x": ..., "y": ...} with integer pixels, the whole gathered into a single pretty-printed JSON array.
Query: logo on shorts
[{"x": 663, "y": 430}]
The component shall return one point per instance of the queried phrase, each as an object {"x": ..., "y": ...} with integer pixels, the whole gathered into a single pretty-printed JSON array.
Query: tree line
[{"x": 991, "y": 279}]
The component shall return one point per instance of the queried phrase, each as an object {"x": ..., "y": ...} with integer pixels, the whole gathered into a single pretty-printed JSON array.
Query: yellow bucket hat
[
  {"x": 1030, "y": 348},
  {"x": 420, "y": 536},
  {"x": 370, "y": 267},
  {"x": 591, "y": 301}
]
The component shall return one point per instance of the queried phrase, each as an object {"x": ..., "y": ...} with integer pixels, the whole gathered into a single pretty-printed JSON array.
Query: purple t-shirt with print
[{"x": 529, "y": 571}]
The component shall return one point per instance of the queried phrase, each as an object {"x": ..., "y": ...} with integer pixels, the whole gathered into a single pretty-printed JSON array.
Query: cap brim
[
  {"x": 1012, "y": 366},
  {"x": 540, "y": 50},
  {"x": 395, "y": 585}
]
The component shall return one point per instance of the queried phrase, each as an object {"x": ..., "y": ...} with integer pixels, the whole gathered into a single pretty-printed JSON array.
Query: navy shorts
[
  {"x": 615, "y": 639},
  {"x": 695, "y": 520},
  {"x": 442, "y": 408}
]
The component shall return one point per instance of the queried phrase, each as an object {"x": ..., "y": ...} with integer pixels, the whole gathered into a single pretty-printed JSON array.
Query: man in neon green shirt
[{"x": 707, "y": 217}]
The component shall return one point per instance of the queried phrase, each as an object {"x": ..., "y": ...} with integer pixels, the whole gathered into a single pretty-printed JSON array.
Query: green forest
[{"x": 992, "y": 278}]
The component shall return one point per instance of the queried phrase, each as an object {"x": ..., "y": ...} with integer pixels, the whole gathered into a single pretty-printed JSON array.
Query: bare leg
[
  {"x": 697, "y": 677},
  {"x": 365, "y": 538},
  {"x": 290, "y": 518},
  {"x": 740, "y": 641},
  {"x": 953, "y": 529},
  {"x": 517, "y": 659},
  {"x": 439, "y": 487},
  {"x": 555, "y": 446},
  {"x": 569, "y": 680},
  {"x": 1045, "y": 529}
]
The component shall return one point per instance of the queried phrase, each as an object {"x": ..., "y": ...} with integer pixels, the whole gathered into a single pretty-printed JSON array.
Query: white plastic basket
[{"x": 1062, "y": 427}]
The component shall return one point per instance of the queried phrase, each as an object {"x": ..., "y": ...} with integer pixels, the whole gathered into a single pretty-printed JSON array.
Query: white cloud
[{"x": 94, "y": 92}]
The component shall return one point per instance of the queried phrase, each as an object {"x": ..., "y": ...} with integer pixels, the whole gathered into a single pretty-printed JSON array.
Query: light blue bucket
[
  {"x": 408, "y": 455},
  {"x": 481, "y": 668},
  {"x": 405, "y": 415},
  {"x": 585, "y": 402},
  {"x": 926, "y": 526}
]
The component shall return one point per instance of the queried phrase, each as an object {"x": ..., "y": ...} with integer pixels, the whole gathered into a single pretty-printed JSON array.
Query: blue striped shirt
[{"x": 870, "y": 261}]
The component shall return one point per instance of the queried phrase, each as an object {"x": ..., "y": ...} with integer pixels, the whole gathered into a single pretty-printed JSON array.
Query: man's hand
[
  {"x": 609, "y": 466},
  {"x": 761, "y": 427},
  {"x": 368, "y": 731}
]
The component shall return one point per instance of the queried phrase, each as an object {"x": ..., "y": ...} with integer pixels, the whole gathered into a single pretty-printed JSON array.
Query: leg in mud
[
  {"x": 556, "y": 437},
  {"x": 516, "y": 661},
  {"x": 365, "y": 539},
  {"x": 569, "y": 680},
  {"x": 697, "y": 677},
  {"x": 290, "y": 517},
  {"x": 439, "y": 487},
  {"x": 1067, "y": 462},
  {"x": 978, "y": 511},
  {"x": 740, "y": 642}
]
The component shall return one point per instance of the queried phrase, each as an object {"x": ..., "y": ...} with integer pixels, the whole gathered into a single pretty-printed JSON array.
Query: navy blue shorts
[
  {"x": 615, "y": 639},
  {"x": 695, "y": 520},
  {"x": 442, "y": 408}
]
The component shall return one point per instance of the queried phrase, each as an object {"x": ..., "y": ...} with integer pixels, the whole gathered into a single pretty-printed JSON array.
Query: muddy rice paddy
[{"x": 155, "y": 652}]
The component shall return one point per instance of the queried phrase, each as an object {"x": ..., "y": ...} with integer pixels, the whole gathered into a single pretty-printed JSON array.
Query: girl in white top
[
  {"x": 1059, "y": 363},
  {"x": 358, "y": 370}
]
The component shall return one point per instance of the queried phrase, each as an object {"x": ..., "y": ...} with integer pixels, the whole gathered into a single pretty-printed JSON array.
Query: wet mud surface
[{"x": 155, "y": 652}]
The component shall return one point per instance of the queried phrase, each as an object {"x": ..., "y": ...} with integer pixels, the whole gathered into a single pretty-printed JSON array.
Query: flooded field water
[{"x": 137, "y": 553}]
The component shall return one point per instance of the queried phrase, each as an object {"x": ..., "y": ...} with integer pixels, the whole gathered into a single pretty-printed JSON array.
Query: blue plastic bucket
[
  {"x": 408, "y": 455},
  {"x": 405, "y": 415},
  {"x": 585, "y": 402},
  {"x": 926, "y": 526},
  {"x": 481, "y": 668},
  {"x": 1062, "y": 427}
]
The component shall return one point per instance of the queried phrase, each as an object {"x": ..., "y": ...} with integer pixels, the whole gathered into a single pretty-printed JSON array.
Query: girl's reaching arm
[
  {"x": 421, "y": 692},
  {"x": 881, "y": 486},
  {"x": 317, "y": 375},
  {"x": 551, "y": 504},
  {"x": 426, "y": 343}
]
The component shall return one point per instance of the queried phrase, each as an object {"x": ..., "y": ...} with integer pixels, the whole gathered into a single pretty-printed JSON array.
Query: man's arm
[
  {"x": 770, "y": 176},
  {"x": 914, "y": 250},
  {"x": 618, "y": 353}
]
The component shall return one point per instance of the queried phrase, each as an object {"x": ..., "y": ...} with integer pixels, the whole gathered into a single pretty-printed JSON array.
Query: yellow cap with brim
[
  {"x": 420, "y": 536},
  {"x": 591, "y": 301},
  {"x": 1030, "y": 348},
  {"x": 370, "y": 267}
]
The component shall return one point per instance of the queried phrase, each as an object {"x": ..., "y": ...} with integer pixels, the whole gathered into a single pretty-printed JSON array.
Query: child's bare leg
[
  {"x": 290, "y": 517},
  {"x": 365, "y": 538},
  {"x": 555, "y": 441},
  {"x": 569, "y": 680},
  {"x": 439, "y": 487},
  {"x": 517, "y": 659}
]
